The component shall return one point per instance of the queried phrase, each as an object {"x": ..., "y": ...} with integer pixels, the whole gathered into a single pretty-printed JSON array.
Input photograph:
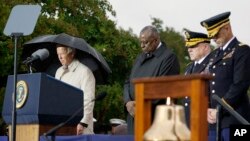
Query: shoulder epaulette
[{"x": 242, "y": 44}]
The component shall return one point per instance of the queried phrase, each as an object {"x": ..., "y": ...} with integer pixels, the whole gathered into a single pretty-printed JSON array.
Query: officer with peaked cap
[
  {"x": 198, "y": 47},
  {"x": 230, "y": 66}
]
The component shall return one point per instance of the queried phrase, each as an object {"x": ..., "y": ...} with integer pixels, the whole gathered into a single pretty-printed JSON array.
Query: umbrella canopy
[{"x": 84, "y": 53}]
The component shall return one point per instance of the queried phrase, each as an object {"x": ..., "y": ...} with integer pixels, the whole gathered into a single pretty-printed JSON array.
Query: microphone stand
[
  {"x": 28, "y": 64},
  {"x": 30, "y": 69}
]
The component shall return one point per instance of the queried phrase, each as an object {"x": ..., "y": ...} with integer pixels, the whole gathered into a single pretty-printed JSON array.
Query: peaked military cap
[
  {"x": 194, "y": 38},
  {"x": 117, "y": 121},
  {"x": 214, "y": 24}
]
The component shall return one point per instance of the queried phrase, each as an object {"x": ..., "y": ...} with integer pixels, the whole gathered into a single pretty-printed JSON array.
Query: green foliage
[
  {"x": 2, "y": 124},
  {"x": 6, "y": 58},
  {"x": 5, "y": 44},
  {"x": 2, "y": 90},
  {"x": 120, "y": 55},
  {"x": 157, "y": 23},
  {"x": 88, "y": 19},
  {"x": 175, "y": 41},
  {"x": 112, "y": 106}
]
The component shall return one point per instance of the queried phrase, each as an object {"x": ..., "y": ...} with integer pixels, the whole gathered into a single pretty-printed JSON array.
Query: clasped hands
[
  {"x": 131, "y": 108},
  {"x": 211, "y": 115}
]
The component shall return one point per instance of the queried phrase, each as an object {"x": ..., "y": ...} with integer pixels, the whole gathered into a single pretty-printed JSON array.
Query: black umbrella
[{"x": 85, "y": 53}]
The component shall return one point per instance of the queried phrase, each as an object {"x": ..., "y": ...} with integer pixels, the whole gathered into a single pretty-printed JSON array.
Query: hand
[
  {"x": 211, "y": 115},
  {"x": 79, "y": 129},
  {"x": 131, "y": 108}
]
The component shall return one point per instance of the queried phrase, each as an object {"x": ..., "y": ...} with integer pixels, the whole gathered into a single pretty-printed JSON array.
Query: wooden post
[{"x": 32, "y": 132}]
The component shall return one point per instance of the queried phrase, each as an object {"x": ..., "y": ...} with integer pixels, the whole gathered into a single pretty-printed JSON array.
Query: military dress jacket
[
  {"x": 231, "y": 80},
  {"x": 161, "y": 62},
  {"x": 192, "y": 69}
]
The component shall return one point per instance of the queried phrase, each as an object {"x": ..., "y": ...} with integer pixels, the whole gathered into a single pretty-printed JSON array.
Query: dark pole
[
  {"x": 218, "y": 123},
  {"x": 13, "y": 126},
  {"x": 229, "y": 109}
]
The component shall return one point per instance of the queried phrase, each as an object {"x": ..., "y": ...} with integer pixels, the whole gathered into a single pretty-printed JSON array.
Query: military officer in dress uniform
[
  {"x": 230, "y": 66},
  {"x": 198, "y": 47}
]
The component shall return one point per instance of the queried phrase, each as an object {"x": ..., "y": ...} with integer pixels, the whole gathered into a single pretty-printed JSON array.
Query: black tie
[
  {"x": 195, "y": 68},
  {"x": 147, "y": 56}
]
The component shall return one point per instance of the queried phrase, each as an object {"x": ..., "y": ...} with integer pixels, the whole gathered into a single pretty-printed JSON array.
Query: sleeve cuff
[{"x": 83, "y": 124}]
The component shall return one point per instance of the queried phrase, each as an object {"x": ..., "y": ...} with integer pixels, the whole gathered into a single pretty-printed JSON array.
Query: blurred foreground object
[{"x": 169, "y": 124}]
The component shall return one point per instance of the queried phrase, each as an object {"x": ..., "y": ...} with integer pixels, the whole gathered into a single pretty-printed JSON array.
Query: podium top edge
[{"x": 173, "y": 78}]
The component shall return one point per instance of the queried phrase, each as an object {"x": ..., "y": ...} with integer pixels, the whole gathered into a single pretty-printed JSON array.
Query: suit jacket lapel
[
  {"x": 228, "y": 52},
  {"x": 217, "y": 58},
  {"x": 189, "y": 68},
  {"x": 202, "y": 65}
]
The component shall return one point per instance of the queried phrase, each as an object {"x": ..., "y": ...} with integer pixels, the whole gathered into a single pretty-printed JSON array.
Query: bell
[
  {"x": 181, "y": 129},
  {"x": 162, "y": 128}
]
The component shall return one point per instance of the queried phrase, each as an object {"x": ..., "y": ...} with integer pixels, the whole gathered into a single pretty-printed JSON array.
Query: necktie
[
  {"x": 146, "y": 56},
  {"x": 195, "y": 68},
  {"x": 220, "y": 52}
]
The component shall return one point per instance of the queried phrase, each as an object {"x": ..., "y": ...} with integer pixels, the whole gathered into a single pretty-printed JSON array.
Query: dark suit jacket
[
  {"x": 161, "y": 62},
  {"x": 231, "y": 80}
]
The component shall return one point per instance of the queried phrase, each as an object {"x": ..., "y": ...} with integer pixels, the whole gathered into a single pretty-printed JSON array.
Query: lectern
[
  {"x": 195, "y": 86},
  {"x": 42, "y": 103}
]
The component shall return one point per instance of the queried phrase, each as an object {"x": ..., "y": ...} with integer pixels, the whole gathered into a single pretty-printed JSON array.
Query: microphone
[
  {"x": 41, "y": 54},
  {"x": 52, "y": 131},
  {"x": 226, "y": 106}
]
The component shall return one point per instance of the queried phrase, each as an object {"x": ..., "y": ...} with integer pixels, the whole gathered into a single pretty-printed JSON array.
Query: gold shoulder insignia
[
  {"x": 205, "y": 24},
  {"x": 187, "y": 35}
]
